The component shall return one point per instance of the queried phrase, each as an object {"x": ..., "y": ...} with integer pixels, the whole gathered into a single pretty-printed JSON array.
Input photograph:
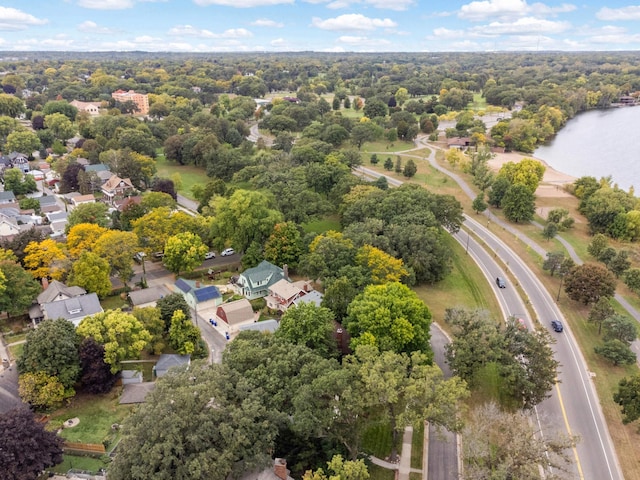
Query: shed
[{"x": 169, "y": 360}]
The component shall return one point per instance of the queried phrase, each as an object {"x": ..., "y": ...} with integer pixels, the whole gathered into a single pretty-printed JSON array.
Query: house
[
  {"x": 277, "y": 472},
  {"x": 148, "y": 297},
  {"x": 80, "y": 199},
  {"x": 125, "y": 202},
  {"x": 8, "y": 226},
  {"x": 98, "y": 167},
  {"x": 56, "y": 291},
  {"x": 198, "y": 296},
  {"x": 37, "y": 175},
  {"x": 461, "y": 143},
  {"x": 5, "y": 162},
  {"x": 73, "y": 309},
  {"x": 48, "y": 204},
  {"x": 57, "y": 221},
  {"x": 282, "y": 295},
  {"x": 169, "y": 360},
  {"x": 7, "y": 197},
  {"x": 129, "y": 377},
  {"x": 116, "y": 188},
  {"x": 313, "y": 296},
  {"x": 20, "y": 161},
  {"x": 265, "y": 326},
  {"x": 255, "y": 282},
  {"x": 235, "y": 314},
  {"x": 92, "y": 108}
]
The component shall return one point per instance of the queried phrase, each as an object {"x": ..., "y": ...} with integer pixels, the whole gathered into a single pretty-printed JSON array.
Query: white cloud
[
  {"x": 190, "y": 31},
  {"x": 398, "y": 5},
  {"x": 277, "y": 42},
  {"x": 13, "y": 19},
  {"x": 445, "y": 33},
  {"x": 352, "y": 21},
  {"x": 363, "y": 41},
  {"x": 242, "y": 3},
  {"x": 616, "y": 39},
  {"x": 480, "y": 10},
  {"x": 106, "y": 4},
  {"x": 522, "y": 26},
  {"x": 265, "y": 22},
  {"x": 631, "y": 12},
  {"x": 92, "y": 27}
]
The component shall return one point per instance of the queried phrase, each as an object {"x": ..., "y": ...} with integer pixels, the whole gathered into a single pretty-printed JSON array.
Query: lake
[{"x": 598, "y": 143}]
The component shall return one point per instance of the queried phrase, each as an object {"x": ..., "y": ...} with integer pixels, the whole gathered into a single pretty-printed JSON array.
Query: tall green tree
[
  {"x": 589, "y": 282},
  {"x": 184, "y": 336},
  {"x": 600, "y": 311},
  {"x": 52, "y": 348},
  {"x": 122, "y": 335},
  {"x": 89, "y": 213},
  {"x": 628, "y": 397},
  {"x": 91, "y": 272},
  {"x": 18, "y": 293},
  {"x": 518, "y": 203},
  {"x": 23, "y": 141},
  {"x": 183, "y": 252},
  {"x": 620, "y": 327},
  {"x": 309, "y": 325},
  {"x": 389, "y": 317},
  {"x": 41, "y": 391},
  {"x": 284, "y": 246},
  {"x": 118, "y": 249}
]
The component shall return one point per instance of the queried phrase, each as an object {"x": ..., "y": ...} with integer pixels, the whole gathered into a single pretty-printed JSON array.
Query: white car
[
  {"x": 209, "y": 255},
  {"x": 228, "y": 251}
]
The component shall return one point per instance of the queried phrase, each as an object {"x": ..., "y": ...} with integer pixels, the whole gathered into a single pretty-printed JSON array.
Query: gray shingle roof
[
  {"x": 7, "y": 196},
  {"x": 148, "y": 295},
  {"x": 73, "y": 309},
  {"x": 56, "y": 288},
  {"x": 169, "y": 360}
]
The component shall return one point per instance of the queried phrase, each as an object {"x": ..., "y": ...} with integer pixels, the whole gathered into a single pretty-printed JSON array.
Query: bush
[{"x": 258, "y": 304}]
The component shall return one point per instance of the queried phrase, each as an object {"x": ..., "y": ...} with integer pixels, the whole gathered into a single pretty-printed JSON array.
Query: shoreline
[{"x": 551, "y": 175}]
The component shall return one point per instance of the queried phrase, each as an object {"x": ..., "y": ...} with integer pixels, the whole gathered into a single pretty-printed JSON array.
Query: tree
[
  {"x": 620, "y": 263},
  {"x": 222, "y": 431},
  {"x": 154, "y": 324},
  {"x": 501, "y": 444},
  {"x": 410, "y": 168},
  {"x": 589, "y": 282},
  {"x": 479, "y": 205},
  {"x": 243, "y": 218},
  {"x": 284, "y": 245},
  {"x": 383, "y": 268},
  {"x": 89, "y": 213},
  {"x": 121, "y": 334},
  {"x": 398, "y": 167},
  {"x": 41, "y": 391},
  {"x": 91, "y": 272},
  {"x": 340, "y": 469},
  {"x": 52, "y": 348},
  {"x": 183, "y": 252},
  {"x": 95, "y": 376},
  {"x": 19, "y": 183},
  {"x": 620, "y": 327},
  {"x": 19, "y": 293},
  {"x": 498, "y": 190},
  {"x": 527, "y": 172},
  {"x": 118, "y": 249},
  {"x": 553, "y": 262},
  {"x": 23, "y": 141},
  {"x": 550, "y": 230},
  {"x": 628, "y": 397},
  {"x": 154, "y": 228},
  {"x": 375, "y": 108},
  {"x": 597, "y": 245},
  {"x": 617, "y": 352},
  {"x": 82, "y": 237},
  {"x": 60, "y": 106},
  {"x": 27, "y": 448},
  {"x": 184, "y": 336},
  {"x": 338, "y": 294},
  {"x": 45, "y": 259},
  {"x": 560, "y": 216},
  {"x": 60, "y": 126},
  {"x": 165, "y": 185},
  {"x": 169, "y": 304},
  {"x": 388, "y": 164},
  {"x": 600, "y": 311},
  {"x": 309, "y": 325},
  {"x": 518, "y": 203},
  {"x": 390, "y": 317},
  {"x": 632, "y": 279}
]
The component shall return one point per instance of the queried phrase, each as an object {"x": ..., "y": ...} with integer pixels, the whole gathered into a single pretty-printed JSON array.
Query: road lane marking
[{"x": 566, "y": 424}]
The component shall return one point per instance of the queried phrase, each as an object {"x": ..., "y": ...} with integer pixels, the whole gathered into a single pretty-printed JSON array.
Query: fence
[{"x": 85, "y": 448}]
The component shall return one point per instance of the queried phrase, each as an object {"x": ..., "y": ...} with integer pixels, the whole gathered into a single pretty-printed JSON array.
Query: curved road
[{"x": 574, "y": 404}]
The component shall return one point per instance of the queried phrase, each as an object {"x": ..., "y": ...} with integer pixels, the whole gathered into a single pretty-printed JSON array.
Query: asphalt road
[{"x": 573, "y": 404}]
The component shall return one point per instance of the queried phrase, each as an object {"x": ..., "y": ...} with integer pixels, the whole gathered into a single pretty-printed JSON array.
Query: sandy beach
[{"x": 552, "y": 182}]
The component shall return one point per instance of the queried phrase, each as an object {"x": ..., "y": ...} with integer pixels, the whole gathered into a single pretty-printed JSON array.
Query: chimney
[
  {"x": 197, "y": 283},
  {"x": 285, "y": 269},
  {"x": 280, "y": 467},
  {"x": 45, "y": 283}
]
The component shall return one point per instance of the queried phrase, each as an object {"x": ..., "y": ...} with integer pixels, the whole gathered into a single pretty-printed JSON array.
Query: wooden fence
[{"x": 91, "y": 448}]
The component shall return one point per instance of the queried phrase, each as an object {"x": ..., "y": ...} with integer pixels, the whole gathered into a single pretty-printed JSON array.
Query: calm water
[{"x": 599, "y": 143}]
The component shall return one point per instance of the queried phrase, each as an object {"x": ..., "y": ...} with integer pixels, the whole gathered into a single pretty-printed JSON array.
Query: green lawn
[
  {"x": 417, "y": 444},
  {"x": 383, "y": 146},
  {"x": 379, "y": 473},
  {"x": 189, "y": 175},
  {"x": 97, "y": 413},
  {"x": 88, "y": 464},
  {"x": 377, "y": 441},
  {"x": 16, "y": 350},
  {"x": 331, "y": 222},
  {"x": 113, "y": 302}
]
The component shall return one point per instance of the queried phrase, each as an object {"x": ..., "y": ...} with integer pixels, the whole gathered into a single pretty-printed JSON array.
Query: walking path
[{"x": 403, "y": 467}]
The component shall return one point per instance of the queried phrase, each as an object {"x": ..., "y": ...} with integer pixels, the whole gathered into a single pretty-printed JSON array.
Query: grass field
[
  {"x": 113, "y": 302},
  {"x": 383, "y": 146},
  {"x": 97, "y": 413},
  {"x": 379, "y": 473},
  {"x": 189, "y": 175},
  {"x": 87, "y": 464},
  {"x": 331, "y": 222},
  {"x": 417, "y": 444},
  {"x": 377, "y": 441}
]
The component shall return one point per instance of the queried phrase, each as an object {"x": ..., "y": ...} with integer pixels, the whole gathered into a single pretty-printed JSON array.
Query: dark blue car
[{"x": 557, "y": 325}]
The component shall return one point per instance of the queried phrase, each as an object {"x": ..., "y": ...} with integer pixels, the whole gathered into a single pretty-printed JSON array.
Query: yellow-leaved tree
[
  {"x": 383, "y": 267},
  {"x": 46, "y": 259},
  {"x": 82, "y": 237}
]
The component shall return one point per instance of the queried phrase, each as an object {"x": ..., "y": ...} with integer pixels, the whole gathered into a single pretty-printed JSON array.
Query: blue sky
[{"x": 317, "y": 25}]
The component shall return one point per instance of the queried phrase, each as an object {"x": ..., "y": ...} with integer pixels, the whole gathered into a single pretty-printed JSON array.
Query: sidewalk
[{"x": 403, "y": 467}]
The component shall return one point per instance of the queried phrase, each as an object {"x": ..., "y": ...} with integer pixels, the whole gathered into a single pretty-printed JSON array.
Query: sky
[{"x": 318, "y": 25}]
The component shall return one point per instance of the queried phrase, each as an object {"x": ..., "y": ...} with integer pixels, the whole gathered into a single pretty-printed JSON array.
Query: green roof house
[{"x": 255, "y": 282}]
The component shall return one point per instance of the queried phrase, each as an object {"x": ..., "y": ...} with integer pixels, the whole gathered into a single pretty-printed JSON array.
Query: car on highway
[
  {"x": 209, "y": 255},
  {"x": 557, "y": 325},
  {"x": 500, "y": 282},
  {"x": 227, "y": 252}
]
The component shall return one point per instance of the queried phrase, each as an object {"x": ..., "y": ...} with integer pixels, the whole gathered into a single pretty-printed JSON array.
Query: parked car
[
  {"x": 139, "y": 257},
  {"x": 158, "y": 255},
  {"x": 228, "y": 251},
  {"x": 500, "y": 282},
  {"x": 209, "y": 255},
  {"x": 557, "y": 325}
]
